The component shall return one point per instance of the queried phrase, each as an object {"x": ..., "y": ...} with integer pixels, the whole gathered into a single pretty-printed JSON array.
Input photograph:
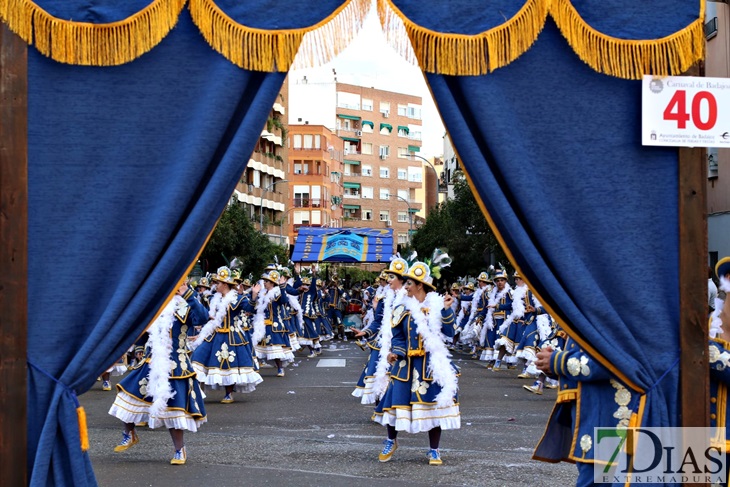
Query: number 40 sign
[{"x": 685, "y": 111}]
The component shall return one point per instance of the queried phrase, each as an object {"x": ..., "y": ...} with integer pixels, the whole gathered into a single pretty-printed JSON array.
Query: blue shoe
[
  {"x": 280, "y": 373},
  {"x": 390, "y": 446},
  {"x": 106, "y": 386},
  {"x": 434, "y": 457},
  {"x": 227, "y": 400}
]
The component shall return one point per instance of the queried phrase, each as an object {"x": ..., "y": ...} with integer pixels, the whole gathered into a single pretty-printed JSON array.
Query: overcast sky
[{"x": 369, "y": 61}]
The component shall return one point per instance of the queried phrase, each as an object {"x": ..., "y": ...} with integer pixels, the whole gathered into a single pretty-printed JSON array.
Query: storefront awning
[
  {"x": 354, "y": 163},
  {"x": 403, "y": 128},
  {"x": 414, "y": 148},
  {"x": 351, "y": 207},
  {"x": 351, "y": 185},
  {"x": 350, "y": 139},
  {"x": 349, "y": 117},
  {"x": 368, "y": 122},
  {"x": 386, "y": 126}
]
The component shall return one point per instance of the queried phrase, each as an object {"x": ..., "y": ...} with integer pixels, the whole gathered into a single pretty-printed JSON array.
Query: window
[
  {"x": 384, "y": 216},
  {"x": 257, "y": 179},
  {"x": 301, "y": 218},
  {"x": 384, "y": 151},
  {"x": 308, "y": 143},
  {"x": 403, "y": 193},
  {"x": 403, "y": 153},
  {"x": 298, "y": 168},
  {"x": 367, "y": 105},
  {"x": 301, "y": 196},
  {"x": 402, "y": 110},
  {"x": 384, "y": 172},
  {"x": 712, "y": 162},
  {"x": 385, "y": 107},
  {"x": 414, "y": 174},
  {"x": 367, "y": 214},
  {"x": 367, "y": 170},
  {"x": 403, "y": 216},
  {"x": 414, "y": 111},
  {"x": 402, "y": 238},
  {"x": 402, "y": 174},
  {"x": 317, "y": 142},
  {"x": 384, "y": 193},
  {"x": 347, "y": 125},
  {"x": 367, "y": 148},
  {"x": 348, "y": 171},
  {"x": 348, "y": 100},
  {"x": 297, "y": 141},
  {"x": 316, "y": 218},
  {"x": 367, "y": 192}
]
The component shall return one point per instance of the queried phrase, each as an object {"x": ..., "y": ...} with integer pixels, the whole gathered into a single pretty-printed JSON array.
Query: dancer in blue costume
[
  {"x": 163, "y": 390},
  {"x": 498, "y": 308},
  {"x": 222, "y": 354},
  {"x": 271, "y": 336},
  {"x": 379, "y": 336},
  {"x": 310, "y": 335},
  {"x": 293, "y": 316},
  {"x": 320, "y": 305},
  {"x": 422, "y": 393}
]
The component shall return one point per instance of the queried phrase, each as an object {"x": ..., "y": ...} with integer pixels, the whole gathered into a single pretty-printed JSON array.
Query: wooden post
[
  {"x": 693, "y": 328},
  {"x": 13, "y": 256}
]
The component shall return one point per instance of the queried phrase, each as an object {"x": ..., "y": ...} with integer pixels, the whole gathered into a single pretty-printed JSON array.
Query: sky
[{"x": 370, "y": 61}]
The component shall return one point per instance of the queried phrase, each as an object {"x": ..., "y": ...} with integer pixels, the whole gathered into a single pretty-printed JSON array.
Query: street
[{"x": 307, "y": 429}]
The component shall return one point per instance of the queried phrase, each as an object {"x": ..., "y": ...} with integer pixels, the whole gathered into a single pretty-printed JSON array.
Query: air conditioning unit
[
  {"x": 390, "y": 223},
  {"x": 386, "y": 113},
  {"x": 358, "y": 133},
  {"x": 383, "y": 156}
]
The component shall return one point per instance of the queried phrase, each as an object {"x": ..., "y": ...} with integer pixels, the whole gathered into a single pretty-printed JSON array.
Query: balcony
[
  {"x": 308, "y": 203},
  {"x": 351, "y": 196}
]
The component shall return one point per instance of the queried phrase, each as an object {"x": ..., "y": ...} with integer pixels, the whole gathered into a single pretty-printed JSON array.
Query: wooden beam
[
  {"x": 693, "y": 328},
  {"x": 13, "y": 256}
]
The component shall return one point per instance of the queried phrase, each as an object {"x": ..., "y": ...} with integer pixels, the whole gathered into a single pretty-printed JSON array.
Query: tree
[
  {"x": 236, "y": 236},
  {"x": 459, "y": 226}
]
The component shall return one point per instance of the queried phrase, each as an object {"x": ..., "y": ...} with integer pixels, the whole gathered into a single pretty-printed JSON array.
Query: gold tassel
[
  {"x": 631, "y": 59},
  {"x": 460, "y": 54},
  {"x": 88, "y": 44},
  {"x": 83, "y": 429},
  {"x": 275, "y": 50}
]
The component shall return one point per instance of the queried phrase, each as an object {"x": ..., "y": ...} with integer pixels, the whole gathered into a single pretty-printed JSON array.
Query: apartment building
[
  {"x": 259, "y": 188},
  {"x": 315, "y": 168},
  {"x": 717, "y": 65}
]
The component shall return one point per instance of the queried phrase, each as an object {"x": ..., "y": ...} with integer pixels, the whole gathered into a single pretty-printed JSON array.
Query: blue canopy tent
[
  {"x": 315, "y": 244},
  {"x": 138, "y": 130}
]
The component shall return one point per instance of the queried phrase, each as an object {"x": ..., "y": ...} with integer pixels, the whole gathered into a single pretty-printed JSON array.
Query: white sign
[{"x": 685, "y": 111}]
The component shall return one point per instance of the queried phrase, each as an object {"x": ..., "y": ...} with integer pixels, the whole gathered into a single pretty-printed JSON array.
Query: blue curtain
[
  {"x": 129, "y": 169},
  {"x": 590, "y": 216}
]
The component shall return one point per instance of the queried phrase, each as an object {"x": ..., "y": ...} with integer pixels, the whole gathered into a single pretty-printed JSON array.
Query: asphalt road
[{"x": 306, "y": 429}]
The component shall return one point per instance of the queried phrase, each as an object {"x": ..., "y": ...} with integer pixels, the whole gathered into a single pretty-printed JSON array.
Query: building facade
[
  {"x": 259, "y": 188},
  {"x": 315, "y": 168},
  {"x": 717, "y": 65},
  {"x": 381, "y": 136}
]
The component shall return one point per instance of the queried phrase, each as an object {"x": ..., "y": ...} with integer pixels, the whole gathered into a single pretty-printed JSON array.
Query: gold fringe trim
[
  {"x": 87, "y": 44},
  {"x": 631, "y": 59},
  {"x": 275, "y": 50},
  {"x": 460, "y": 54}
]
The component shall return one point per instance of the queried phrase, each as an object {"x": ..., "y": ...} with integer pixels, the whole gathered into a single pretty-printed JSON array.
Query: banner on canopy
[{"x": 315, "y": 244}]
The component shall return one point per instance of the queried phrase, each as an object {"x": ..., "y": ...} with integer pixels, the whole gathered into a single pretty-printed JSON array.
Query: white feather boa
[
  {"x": 518, "y": 308},
  {"x": 715, "y": 321},
  {"x": 218, "y": 310},
  {"x": 259, "y": 326},
  {"x": 494, "y": 298},
  {"x": 392, "y": 299},
  {"x": 429, "y": 327},
  {"x": 294, "y": 303},
  {"x": 158, "y": 385},
  {"x": 469, "y": 327}
]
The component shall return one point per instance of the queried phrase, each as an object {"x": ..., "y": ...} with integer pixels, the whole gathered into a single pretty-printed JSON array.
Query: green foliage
[
  {"x": 237, "y": 236},
  {"x": 459, "y": 226}
]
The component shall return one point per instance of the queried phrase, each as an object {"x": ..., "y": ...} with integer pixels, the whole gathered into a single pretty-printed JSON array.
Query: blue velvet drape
[{"x": 589, "y": 215}]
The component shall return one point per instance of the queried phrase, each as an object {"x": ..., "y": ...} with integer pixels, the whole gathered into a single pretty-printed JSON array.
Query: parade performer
[
  {"x": 513, "y": 327},
  {"x": 292, "y": 310},
  {"x": 163, "y": 390},
  {"x": 222, "y": 352},
  {"x": 499, "y": 305},
  {"x": 422, "y": 393},
  {"x": 333, "y": 297},
  {"x": 270, "y": 333},
  {"x": 379, "y": 336},
  {"x": 310, "y": 335},
  {"x": 477, "y": 310}
]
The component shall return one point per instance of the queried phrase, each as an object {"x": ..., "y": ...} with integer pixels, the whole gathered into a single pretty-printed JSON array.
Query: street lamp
[
  {"x": 434, "y": 172},
  {"x": 266, "y": 189},
  {"x": 410, "y": 215}
]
